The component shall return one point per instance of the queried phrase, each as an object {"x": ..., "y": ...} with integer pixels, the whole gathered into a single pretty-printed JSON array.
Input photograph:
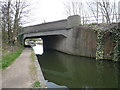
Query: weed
[{"x": 36, "y": 84}]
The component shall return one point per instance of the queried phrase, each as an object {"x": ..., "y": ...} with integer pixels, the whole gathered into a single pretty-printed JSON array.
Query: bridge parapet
[
  {"x": 65, "y": 24},
  {"x": 46, "y": 26}
]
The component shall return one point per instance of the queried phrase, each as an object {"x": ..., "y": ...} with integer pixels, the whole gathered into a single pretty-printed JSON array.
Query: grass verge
[{"x": 9, "y": 58}]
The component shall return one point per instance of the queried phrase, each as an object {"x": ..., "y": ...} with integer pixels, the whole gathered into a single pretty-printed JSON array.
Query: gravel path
[{"x": 18, "y": 75}]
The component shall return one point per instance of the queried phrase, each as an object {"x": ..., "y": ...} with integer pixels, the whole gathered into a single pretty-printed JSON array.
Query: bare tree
[
  {"x": 13, "y": 12},
  {"x": 9, "y": 20},
  {"x": 93, "y": 10},
  {"x": 19, "y": 9},
  {"x": 105, "y": 8},
  {"x": 74, "y": 7},
  {"x": 3, "y": 23},
  {"x": 6, "y": 19}
]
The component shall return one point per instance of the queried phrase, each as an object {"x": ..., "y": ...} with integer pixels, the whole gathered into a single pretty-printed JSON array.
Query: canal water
[{"x": 69, "y": 71}]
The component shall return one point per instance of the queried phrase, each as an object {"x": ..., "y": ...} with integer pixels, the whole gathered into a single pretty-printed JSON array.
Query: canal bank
[
  {"x": 40, "y": 76},
  {"x": 19, "y": 75}
]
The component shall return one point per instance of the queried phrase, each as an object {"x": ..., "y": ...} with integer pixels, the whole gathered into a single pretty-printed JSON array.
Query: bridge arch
[{"x": 49, "y": 41}]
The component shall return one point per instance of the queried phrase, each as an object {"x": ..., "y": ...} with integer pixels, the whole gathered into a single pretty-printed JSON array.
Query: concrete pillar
[{"x": 73, "y": 21}]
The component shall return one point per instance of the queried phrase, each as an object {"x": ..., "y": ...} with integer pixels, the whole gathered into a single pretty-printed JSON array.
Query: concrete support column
[{"x": 73, "y": 21}]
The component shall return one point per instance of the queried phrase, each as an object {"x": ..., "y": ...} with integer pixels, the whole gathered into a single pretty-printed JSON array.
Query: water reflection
[
  {"x": 78, "y": 72},
  {"x": 38, "y": 49}
]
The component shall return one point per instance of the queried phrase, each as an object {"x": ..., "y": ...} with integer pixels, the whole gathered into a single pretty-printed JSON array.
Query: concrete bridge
[
  {"x": 70, "y": 37},
  {"x": 56, "y": 28}
]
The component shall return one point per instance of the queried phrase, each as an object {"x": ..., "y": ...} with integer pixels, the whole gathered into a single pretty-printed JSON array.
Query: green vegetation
[
  {"x": 20, "y": 39},
  {"x": 100, "y": 45},
  {"x": 32, "y": 56},
  {"x": 9, "y": 58},
  {"x": 115, "y": 34},
  {"x": 116, "y": 42},
  {"x": 33, "y": 69},
  {"x": 0, "y": 63},
  {"x": 0, "y": 57},
  {"x": 34, "y": 39},
  {"x": 92, "y": 24},
  {"x": 36, "y": 84}
]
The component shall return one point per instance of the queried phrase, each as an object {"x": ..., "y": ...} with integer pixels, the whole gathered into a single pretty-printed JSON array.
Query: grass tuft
[{"x": 36, "y": 84}]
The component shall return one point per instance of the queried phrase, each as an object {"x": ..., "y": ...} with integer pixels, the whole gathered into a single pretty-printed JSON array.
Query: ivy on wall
[
  {"x": 115, "y": 33},
  {"x": 116, "y": 41},
  {"x": 100, "y": 45}
]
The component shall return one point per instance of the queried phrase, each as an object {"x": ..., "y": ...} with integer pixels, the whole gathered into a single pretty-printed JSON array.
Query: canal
[{"x": 60, "y": 69}]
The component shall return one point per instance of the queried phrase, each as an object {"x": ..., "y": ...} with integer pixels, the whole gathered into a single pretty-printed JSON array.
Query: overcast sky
[{"x": 47, "y": 10}]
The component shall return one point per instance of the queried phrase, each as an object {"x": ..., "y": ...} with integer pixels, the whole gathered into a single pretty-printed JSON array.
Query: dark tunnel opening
[{"x": 48, "y": 42}]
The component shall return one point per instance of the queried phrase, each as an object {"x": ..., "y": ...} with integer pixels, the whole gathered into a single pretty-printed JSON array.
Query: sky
[{"x": 46, "y": 11}]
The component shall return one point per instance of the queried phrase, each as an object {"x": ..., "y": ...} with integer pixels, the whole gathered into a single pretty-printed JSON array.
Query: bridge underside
[
  {"x": 50, "y": 41},
  {"x": 47, "y": 33}
]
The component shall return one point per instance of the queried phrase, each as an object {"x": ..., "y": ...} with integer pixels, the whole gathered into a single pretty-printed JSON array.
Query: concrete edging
[{"x": 40, "y": 76}]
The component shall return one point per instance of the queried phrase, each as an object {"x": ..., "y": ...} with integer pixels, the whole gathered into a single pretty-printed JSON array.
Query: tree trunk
[{"x": 9, "y": 23}]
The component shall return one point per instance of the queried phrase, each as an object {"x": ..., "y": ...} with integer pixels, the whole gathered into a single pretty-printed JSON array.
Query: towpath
[{"x": 18, "y": 75}]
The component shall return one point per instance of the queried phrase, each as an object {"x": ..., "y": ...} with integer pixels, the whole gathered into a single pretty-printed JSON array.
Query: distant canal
[{"x": 78, "y": 72}]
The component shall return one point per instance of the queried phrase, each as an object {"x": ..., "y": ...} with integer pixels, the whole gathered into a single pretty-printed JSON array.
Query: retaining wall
[{"x": 81, "y": 40}]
